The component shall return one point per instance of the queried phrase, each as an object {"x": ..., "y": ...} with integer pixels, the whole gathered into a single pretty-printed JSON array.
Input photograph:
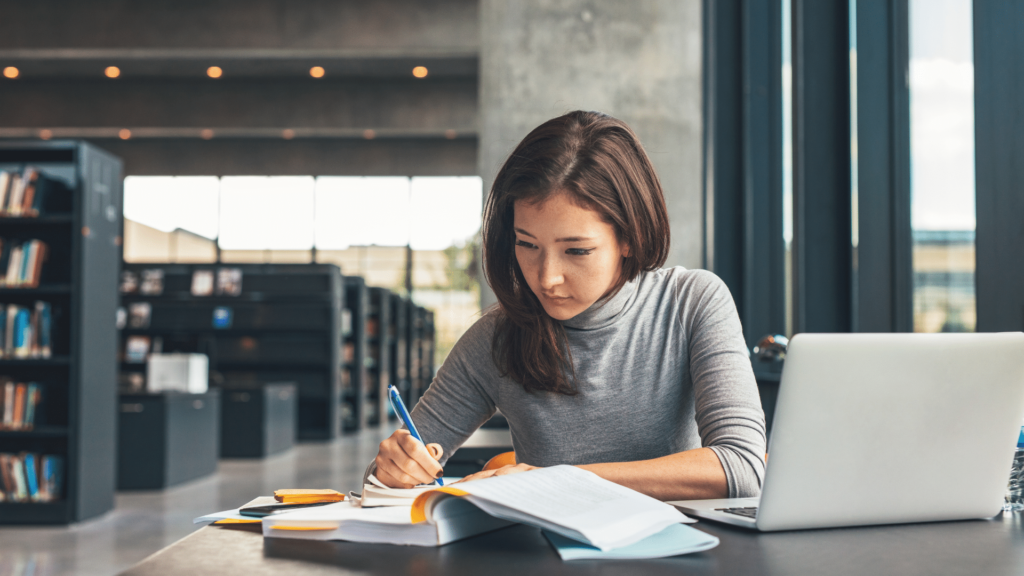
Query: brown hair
[{"x": 599, "y": 163}]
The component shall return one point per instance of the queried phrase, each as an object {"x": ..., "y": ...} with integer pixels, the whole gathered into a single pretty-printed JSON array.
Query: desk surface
[{"x": 993, "y": 548}]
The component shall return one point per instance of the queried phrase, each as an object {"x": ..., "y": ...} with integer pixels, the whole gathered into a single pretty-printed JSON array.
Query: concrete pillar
[{"x": 639, "y": 61}]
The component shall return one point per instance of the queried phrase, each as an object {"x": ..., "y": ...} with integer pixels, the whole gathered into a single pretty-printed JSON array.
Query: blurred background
[{"x": 843, "y": 165}]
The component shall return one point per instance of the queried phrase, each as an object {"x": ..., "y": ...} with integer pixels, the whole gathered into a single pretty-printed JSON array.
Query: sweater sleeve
[{"x": 728, "y": 407}]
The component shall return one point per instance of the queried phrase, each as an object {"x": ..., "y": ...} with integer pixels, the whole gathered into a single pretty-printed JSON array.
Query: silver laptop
[{"x": 886, "y": 429}]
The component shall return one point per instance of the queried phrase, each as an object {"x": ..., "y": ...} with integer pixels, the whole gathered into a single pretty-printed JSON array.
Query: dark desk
[{"x": 990, "y": 548}]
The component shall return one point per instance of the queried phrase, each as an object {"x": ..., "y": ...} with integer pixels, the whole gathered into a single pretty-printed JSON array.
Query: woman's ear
[{"x": 624, "y": 248}]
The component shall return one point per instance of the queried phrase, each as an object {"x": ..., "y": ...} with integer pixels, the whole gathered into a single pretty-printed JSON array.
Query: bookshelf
[
  {"x": 398, "y": 355},
  {"x": 421, "y": 350},
  {"x": 81, "y": 223},
  {"x": 425, "y": 349},
  {"x": 283, "y": 325},
  {"x": 355, "y": 356},
  {"x": 379, "y": 339}
]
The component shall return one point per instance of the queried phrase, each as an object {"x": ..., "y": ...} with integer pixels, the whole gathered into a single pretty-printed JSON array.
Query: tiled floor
[{"x": 144, "y": 522}]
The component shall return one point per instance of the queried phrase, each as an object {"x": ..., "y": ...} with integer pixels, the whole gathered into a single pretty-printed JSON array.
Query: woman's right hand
[{"x": 404, "y": 462}]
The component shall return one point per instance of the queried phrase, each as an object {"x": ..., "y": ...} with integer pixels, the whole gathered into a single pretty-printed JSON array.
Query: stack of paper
[
  {"x": 377, "y": 494},
  {"x": 385, "y": 525}
]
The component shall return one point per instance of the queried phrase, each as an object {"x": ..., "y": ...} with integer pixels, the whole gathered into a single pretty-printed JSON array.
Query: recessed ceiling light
[
  {"x": 112, "y": 71},
  {"x": 124, "y": 134},
  {"x": 420, "y": 71},
  {"x": 214, "y": 72},
  {"x": 316, "y": 72},
  {"x": 11, "y": 72}
]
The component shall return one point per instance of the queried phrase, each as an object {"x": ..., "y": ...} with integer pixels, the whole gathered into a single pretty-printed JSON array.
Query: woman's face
[{"x": 568, "y": 254}]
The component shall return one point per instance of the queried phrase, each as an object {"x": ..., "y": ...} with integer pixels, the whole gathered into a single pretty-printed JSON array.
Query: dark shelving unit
[
  {"x": 354, "y": 355},
  {"x": 379, "y": 338},
  {"x": 398, "y": 355},
  {"x": 285, "y": 327},
  {"x": 421, "y": 350},
  {"x": 79, "y": 279}
]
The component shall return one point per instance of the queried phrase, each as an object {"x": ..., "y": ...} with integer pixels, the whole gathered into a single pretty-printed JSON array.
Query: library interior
[{"x": 251, "y": 262}]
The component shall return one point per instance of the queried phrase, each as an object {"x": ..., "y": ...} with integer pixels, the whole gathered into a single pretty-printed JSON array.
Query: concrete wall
[{"x": 639, "y": 61}]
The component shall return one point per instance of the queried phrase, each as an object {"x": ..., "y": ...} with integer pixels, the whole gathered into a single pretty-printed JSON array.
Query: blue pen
[{"x": 403, "y": 413}]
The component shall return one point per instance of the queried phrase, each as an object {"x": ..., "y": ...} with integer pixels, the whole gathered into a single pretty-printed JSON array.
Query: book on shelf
[
  {"x": 19, "y": 404},
  {"x": 136, "y": 349},
  {"x": 229, "y": 282},
  {"x": 151, "y": 282},
  {"x": 202, "y": 283},
  {"x": 26, "y": 332},
  {"x": 24, "y": 194},
  {"x": 21, "y": 262},
  {"x": 223, "y": 317},
  {"x": 129, "y": 282},
  {"x": 139, "y": 314},
  {"x": 31, "y": 477}
]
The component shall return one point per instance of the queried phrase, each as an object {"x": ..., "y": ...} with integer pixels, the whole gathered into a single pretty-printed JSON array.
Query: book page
[
  {"x": 558, "y": 493},
  {"x": 579, "y": 502}
]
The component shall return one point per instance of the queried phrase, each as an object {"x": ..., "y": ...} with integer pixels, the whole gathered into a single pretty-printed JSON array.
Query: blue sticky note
[{"x": 672, "y": 541}]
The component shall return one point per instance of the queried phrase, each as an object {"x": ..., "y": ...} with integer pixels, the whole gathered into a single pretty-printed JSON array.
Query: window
[
  {"x": 942, "y": 164},
  {"x": 369, "y": 226}
]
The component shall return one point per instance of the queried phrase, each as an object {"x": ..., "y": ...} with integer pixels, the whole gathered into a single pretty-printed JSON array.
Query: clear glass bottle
[{"x": 1015, "y": 489}]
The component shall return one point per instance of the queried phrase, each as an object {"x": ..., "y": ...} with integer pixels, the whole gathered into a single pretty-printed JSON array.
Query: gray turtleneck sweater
[{"x": 662, "y": 368}]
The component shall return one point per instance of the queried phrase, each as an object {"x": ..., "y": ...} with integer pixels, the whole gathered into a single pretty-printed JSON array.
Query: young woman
[{"x": 596, "y": 356}]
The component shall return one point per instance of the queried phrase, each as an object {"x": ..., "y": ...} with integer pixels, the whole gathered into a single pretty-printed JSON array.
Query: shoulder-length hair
[{"x": 599, "y": 163}]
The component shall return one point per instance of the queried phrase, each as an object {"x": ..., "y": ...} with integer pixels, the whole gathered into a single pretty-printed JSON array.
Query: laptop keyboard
[{"x": 749, "y": 512}]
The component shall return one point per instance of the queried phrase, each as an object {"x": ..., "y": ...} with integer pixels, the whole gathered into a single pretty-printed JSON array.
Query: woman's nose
[{"x": 550, "y": 273}]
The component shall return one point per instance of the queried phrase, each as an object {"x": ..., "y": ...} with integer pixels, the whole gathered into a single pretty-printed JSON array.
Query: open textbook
[{"x": 562, "y": 499}]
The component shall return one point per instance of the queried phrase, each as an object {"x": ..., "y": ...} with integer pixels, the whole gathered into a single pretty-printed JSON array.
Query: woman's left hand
[{"x": 504, "y": 470}]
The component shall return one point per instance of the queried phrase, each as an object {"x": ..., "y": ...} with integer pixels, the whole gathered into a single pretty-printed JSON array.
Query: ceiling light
[
  {"x": 214, "y": 72},
  {"x": 45, "y": 134},
  {"x": 11, "y": 72},
  {"x": 206, "y": 134},
  {"x": 124, "y": 134},
  {"x": 420, "y": 71},
  {"x": 112, "y": 71},
  {"x": 316, "y": 72}
]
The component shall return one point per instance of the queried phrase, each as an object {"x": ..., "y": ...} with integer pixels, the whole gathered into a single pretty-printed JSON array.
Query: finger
[
  {"x": 411, "y": 466},
  {"x": 388, "y": 479},
  {"x": 436, "y": 451},
  {"x": 506, "y": 470},
  {"x": 400, "y": 464},
  {"x": 389, "y": 460},
  {"x": 419, "y": 454},
  {"x": 477, "y": 476}
]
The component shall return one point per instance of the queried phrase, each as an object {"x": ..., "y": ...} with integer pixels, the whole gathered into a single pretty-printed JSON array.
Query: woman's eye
[
  {"x": 579, "y": 251},
  {"x": 524, "y": 244}
]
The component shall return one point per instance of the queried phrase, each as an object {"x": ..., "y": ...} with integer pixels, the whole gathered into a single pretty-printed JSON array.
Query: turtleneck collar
[{"x": 604, "y": 311}]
